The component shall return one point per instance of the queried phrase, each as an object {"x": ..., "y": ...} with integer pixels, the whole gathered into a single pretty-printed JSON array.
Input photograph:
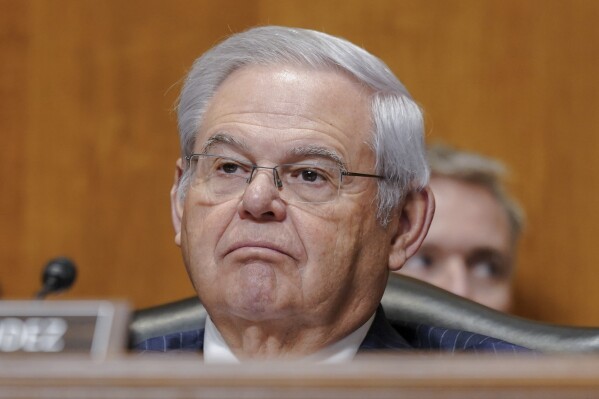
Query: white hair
[{"x": 397, "y": 120}]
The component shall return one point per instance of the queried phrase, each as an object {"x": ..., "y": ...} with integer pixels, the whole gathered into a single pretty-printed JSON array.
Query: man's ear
[
  {"x": 414, "y": 220},
  {"x": 176, "y": 203}
]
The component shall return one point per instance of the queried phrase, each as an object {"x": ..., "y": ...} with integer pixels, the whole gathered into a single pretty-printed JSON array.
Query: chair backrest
[{"x": 405, "y": 299}]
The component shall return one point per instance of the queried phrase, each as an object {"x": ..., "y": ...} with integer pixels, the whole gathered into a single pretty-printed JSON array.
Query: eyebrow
[
  {"x": 223, "y": 138},
  {"x": 317, "y": 151},
  {"x": 303, "y": 151}
]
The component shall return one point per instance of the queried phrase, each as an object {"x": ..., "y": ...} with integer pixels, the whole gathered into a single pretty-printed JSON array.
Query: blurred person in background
[{"x": 470, "y": 248}]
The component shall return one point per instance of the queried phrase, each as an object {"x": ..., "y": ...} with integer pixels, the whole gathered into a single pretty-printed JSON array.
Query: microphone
[{"x": 59, "y": 274}]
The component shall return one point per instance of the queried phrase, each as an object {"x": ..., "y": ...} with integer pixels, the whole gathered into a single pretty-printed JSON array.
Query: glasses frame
[{"x": 275, "y": 173}]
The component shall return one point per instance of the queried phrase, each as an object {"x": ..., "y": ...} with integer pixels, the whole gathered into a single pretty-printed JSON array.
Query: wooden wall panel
[
  {"x": 93, "y": 139},
  {"x": 514, "y": 80},
  {"x": 86, "y": 89},
  {"x": 14, "y": 38}
]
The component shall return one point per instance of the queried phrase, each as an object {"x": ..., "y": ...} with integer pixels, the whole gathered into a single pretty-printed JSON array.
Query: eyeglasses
[{"x": 222, "y": 178}]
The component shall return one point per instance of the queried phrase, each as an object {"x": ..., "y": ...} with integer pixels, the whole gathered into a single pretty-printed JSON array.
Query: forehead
[
  {"x": 290, "y": 105},
  {"x": 467, "y": 216}
]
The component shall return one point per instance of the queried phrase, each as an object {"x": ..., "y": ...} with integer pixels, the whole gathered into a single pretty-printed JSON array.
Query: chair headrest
[{"x": 408, "y": 300}]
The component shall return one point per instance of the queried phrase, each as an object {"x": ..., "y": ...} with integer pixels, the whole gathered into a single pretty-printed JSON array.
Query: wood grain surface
[{"x": 89, "y": 138}]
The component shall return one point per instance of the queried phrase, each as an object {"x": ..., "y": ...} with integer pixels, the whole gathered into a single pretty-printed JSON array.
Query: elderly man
[
  {"x": 471, "y": 245},
  {"x": 302, "y": 182}
]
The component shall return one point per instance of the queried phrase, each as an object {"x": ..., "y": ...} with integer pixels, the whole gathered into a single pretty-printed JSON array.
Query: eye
[
  {"x": 309, "y": 174},
  {"x": 488, "y": 265},
  {"x": 420, "y": 263},
  {"x": 230, "y": 167},
  {"x": 488, "y": 270}
]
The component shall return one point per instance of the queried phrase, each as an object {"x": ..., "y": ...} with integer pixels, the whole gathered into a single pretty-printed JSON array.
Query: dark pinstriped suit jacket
[{"x": 381, "y": 336}]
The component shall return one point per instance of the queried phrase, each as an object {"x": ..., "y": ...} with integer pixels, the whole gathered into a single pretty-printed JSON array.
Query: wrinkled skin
[{"x": 281, "y": 279}]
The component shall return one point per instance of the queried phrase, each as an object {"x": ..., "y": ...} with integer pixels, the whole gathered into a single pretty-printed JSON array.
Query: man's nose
[
  {"x": 457, "y": 277},
  {"x": 261, "y": 199}
]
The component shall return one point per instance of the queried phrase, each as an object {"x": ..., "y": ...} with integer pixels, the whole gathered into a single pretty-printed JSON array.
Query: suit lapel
[{"x": 382, "y": 335}]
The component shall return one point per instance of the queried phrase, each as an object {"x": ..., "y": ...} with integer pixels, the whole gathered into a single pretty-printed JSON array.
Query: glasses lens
[
  {"x": 313, "y": 183},
  {"x": 219, "y": 177}
]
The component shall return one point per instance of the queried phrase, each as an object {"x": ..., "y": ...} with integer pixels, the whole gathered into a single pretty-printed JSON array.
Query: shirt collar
[{"x": 216, "y": 349}]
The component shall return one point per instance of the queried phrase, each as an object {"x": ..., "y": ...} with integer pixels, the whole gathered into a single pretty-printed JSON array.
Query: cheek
[
  {"x": 201, "y": 229},
  {"x": 499, "y": 297},
  {"x": 325, "y": 236},
  {"x": 335, "y": 246},
  {"x": 322, "y": 235}
]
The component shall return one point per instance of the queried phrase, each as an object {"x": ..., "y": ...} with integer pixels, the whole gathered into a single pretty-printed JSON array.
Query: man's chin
[
  {"x": 258, "y": 312},
  {"x": 255, "y": 292}
]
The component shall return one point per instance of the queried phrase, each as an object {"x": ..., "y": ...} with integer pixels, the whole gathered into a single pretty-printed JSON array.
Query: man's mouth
[{"x": 257, "y": 247}]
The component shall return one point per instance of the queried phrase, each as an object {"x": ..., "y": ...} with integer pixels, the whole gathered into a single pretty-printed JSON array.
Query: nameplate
[{"x": 97, "y": 328}]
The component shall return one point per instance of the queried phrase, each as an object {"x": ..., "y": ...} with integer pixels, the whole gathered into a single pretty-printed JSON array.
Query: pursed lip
[{"x": 257, "y": 244}]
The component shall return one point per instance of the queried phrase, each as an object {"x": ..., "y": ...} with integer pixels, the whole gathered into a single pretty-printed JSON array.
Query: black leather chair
[{"x": 405, "y": 299}]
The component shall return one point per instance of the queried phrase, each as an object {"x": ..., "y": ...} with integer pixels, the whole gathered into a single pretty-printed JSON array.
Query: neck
[{"x": 268, "y": 341}]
